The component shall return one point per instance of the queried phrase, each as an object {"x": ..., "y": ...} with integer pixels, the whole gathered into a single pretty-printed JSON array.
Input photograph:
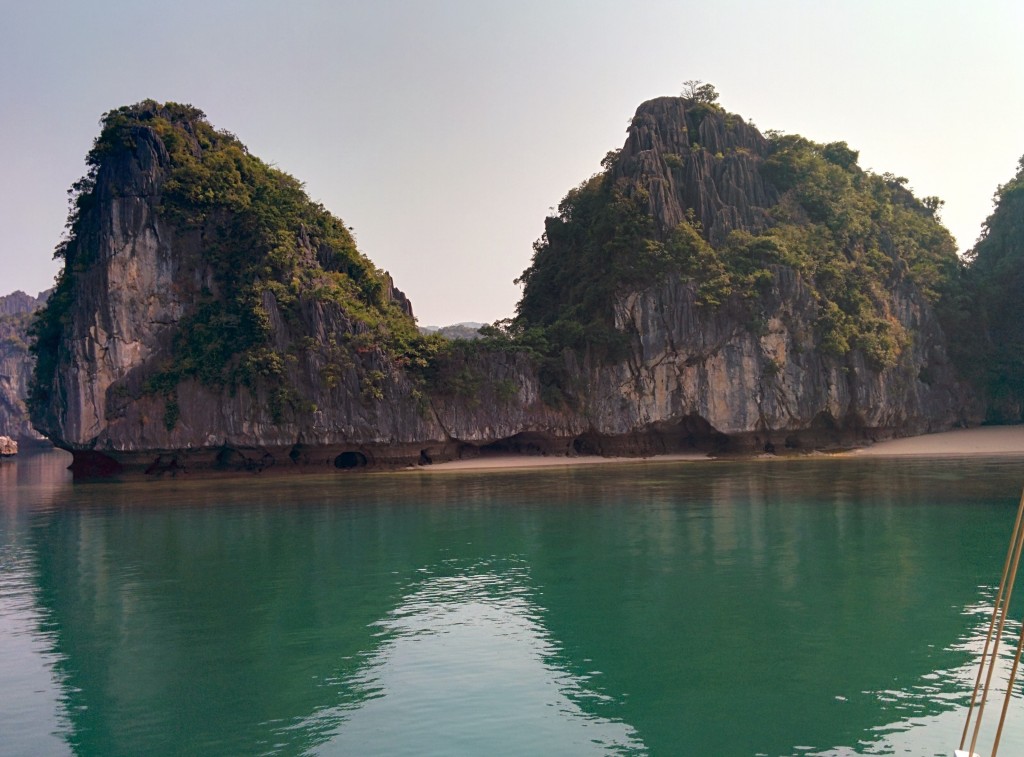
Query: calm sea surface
[{"x": 815, "y": 606}]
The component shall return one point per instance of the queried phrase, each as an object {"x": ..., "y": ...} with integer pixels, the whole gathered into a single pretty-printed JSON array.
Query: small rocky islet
[{"x": 711, "y": 288}]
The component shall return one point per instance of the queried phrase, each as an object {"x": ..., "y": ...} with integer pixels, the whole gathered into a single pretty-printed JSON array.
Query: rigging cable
[{"x": 999, "y": 611}]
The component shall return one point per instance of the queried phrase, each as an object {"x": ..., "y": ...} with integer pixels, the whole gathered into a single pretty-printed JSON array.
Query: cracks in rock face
[{"x": 437, "y": 419}]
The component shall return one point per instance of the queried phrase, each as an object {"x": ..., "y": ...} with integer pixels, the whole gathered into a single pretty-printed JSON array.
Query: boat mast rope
[{"x": 998, "y": 620}]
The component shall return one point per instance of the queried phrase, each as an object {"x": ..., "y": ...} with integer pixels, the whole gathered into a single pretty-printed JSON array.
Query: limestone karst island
[{"x": 712, "y": 288}]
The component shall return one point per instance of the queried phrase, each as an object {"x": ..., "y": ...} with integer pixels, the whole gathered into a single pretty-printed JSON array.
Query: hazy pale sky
[{"x": 442, "y": 132}]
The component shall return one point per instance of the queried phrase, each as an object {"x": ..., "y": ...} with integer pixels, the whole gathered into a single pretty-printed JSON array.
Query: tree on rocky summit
[{"x": 695, "y": 89}]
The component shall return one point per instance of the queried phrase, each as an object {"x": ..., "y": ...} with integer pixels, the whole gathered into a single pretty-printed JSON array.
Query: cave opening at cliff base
[{"x": 350, "y": 459}]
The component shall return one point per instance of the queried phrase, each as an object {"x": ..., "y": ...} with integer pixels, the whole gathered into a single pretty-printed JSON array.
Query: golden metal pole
[
  {"x": 1009, "y": 692},
  {"x": 992, "y": 622},
  {"x": 999, "y": 635}
]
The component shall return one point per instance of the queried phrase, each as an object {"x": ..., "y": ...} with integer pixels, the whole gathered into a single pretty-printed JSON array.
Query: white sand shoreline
[
  {"x": 985, "y": 441},
  {"x": 966, "y": 442},
  {"x": 512, "y": 462}
]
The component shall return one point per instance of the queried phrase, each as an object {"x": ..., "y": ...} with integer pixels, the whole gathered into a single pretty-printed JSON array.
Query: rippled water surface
[{"x": 815, "y": 606}]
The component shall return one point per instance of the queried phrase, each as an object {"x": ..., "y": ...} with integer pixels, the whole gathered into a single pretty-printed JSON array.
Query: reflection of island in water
[
  {"x": 931, "y": 710},
  {"x": 268, "y": 630},
  {"x": 737, "y": 608},
  {"x": 38, "y": 476},
  {"x": 475, "y": 636},
  {"x": 31, "y": 717}
]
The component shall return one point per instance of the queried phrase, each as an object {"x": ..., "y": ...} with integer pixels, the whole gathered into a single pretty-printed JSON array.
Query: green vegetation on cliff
[
  {"x": 852, "y": 236},
  {"x": 264, "y": 277},
  {"x": 991, "y": 347},
  {"x": 254, "y": 233},
  {"x": 601, "y": 244},
  {"x": 14, "y": 333}
]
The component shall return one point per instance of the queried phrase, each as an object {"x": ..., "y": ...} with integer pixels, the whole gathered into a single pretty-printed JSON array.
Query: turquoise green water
[{"x": 758, "y": 608}]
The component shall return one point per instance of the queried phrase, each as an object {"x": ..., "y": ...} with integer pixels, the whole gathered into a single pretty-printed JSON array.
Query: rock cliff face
[
  {"x": 16, "y": 363},
  {"x": 138, "y": 279},
  {"x": 694, "y": 376},
  {"x": 19, "y": 303},
  {"x": 753, "y": 372},
  {"x": 327, "y": 388},
  {"x": 137, "y": 276},
  {"x": 694, "y": 159}
]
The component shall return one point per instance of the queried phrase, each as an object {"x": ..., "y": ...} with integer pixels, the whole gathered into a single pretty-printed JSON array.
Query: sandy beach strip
[
  {"x": 967, "y": 442},
  {"x": 511, "y": 461},
  {"x": 970, "y": 442}
]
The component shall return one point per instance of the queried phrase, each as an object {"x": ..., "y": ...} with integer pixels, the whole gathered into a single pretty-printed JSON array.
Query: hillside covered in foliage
[
  {"x": 750, "y": 204},
  {"x": 711, "y": 288},
  {"x": 991, "y": 340},
  {"x": 249, "y": 235}
]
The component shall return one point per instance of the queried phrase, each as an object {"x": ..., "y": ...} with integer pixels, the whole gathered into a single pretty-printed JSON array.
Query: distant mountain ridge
[
  {"x": 463, "y": 330},
  {"x": 18, "y": 302},
  {"x": 16, "y": 363}
]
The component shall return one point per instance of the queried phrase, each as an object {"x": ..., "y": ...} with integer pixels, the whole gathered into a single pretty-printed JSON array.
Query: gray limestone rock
[
  {"x": 8, "y": 447},
  {"x": 16, "y": 363},
  {"x": 695, "y": 377}
]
